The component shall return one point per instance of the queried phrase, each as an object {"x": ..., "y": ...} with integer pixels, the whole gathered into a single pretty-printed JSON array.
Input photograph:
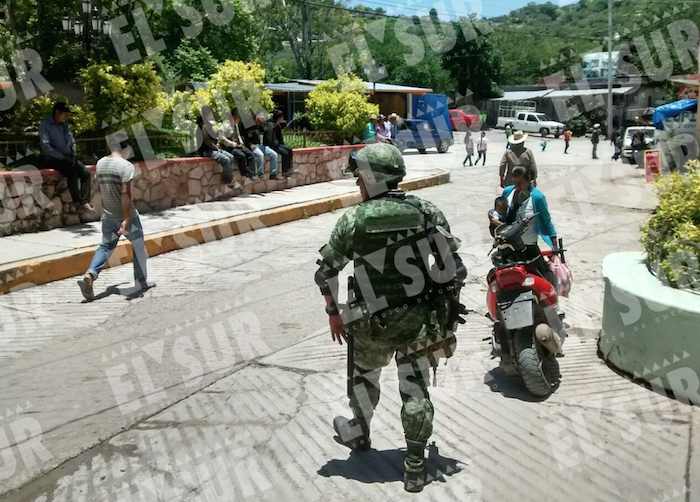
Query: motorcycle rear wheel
[{"x": 539, "y": 371}]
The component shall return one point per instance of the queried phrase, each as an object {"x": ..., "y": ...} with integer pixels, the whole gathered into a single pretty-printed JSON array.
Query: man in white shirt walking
[{"x": 119, "y": 217}]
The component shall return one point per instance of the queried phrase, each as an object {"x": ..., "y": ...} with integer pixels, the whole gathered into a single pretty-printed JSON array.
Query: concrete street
[{"x": 222, "y": 382}]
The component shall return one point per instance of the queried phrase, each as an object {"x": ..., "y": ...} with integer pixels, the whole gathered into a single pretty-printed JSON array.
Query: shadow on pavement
[
  {"x": 129, "y": 293},
  {"x": 386, "y": 466},
  {"x": 511, "y": 387}
]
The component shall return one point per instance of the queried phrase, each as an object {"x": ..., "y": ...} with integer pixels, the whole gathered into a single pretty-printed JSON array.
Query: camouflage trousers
[{"x": 404, "y": 335}]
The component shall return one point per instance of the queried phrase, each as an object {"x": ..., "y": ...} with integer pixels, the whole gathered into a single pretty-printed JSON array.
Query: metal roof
[
  {"x": 290, "y": 87},
  {"x": 379, "y": 87},
  {"x": 523, "y": 95},
  {"x": 571, "y": 93},
  {"x": 558, "y": 93}
]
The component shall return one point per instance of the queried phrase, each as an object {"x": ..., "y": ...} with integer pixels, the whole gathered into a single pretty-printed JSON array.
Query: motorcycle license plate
[{"x": 517, "y": 310}]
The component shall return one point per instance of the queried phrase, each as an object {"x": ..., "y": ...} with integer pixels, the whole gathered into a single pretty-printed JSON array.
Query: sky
[{"x": 447, "y": 8}]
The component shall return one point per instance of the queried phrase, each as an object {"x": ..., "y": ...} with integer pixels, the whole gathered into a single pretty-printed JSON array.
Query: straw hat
[
  {"x": 373, "y": 116},
  {"x": 517, "y": 138},
  {"x": 393, "y": 116},
  {"x": 596, "y": 126}
]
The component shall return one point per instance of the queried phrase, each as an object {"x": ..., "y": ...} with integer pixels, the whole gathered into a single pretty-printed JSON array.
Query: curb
[{"x": 42, "y": 270}]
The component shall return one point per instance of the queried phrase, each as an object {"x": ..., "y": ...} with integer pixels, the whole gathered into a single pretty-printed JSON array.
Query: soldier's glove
[{"x": 456, "y": 313}]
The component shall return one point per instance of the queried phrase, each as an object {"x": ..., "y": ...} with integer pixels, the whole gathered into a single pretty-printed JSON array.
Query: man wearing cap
[
  {"x": 58, "y": 145},
  {"x": 401, "y": 302},
  {"x": 595, "y": 139},
  {"x": 517, "y": 155},
  {"x": 368, "y": 133}
]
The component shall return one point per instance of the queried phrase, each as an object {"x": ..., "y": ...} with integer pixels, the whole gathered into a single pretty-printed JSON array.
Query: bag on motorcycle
[{"x": 562, "y": 275}]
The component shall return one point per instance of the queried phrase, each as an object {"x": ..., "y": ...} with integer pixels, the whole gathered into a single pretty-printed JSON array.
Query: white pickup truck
[{"x": 534, "y": 122}]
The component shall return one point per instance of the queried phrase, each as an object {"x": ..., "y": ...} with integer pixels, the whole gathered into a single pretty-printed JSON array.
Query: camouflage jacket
[{"x": 338, "y": 252}]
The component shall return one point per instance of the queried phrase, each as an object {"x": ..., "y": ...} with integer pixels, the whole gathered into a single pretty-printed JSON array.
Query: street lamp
[
  {"x": 87, "y": 24},
  {"x": 65, "y": 21},
  {"x": 96, "y": 22}
]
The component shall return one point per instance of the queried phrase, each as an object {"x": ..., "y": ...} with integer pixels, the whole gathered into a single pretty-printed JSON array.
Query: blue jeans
[
  {"x": 225, "y": 159},
  {"x": 260, "y": 153},
  {"x": 109, "y": 242}
]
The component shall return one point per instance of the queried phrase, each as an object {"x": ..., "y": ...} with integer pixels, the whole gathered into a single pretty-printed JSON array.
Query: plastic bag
[{"x": 562, "y": 275}]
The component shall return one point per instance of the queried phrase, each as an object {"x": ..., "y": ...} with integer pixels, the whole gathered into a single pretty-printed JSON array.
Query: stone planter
[{"x": 650, "y": 330}]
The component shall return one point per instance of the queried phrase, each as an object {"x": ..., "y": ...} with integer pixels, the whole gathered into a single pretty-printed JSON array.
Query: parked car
[
  {"x": 538, "y": 122},
  {"x": 421, "y": 134},
  {"x": 628, "y": 149},
  {"x": 462, "y": 121}
]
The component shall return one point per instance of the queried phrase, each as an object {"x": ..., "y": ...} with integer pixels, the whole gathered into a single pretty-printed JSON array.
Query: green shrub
[
  {"x": 121, "y": 92},
  {"x": 578, "y": 125},
  {"x": 340, "y": 105},
  {"x": 672, "y": 235}
]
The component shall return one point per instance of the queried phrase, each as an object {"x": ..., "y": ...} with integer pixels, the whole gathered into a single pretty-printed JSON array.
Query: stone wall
[{"x": 34, "y": 200}]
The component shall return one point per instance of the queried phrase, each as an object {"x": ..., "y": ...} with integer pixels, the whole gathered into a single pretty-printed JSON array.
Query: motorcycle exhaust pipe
[{"x": 545, "y": 336}]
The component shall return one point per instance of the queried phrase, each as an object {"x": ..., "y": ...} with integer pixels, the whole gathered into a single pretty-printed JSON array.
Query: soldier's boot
[
  {"x": 415, "y": 469},
  {"x": 352, "y": 434}
]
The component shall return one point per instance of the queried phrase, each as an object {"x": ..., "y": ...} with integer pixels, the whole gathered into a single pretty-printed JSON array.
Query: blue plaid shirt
[{"x": 56, "y": 140}]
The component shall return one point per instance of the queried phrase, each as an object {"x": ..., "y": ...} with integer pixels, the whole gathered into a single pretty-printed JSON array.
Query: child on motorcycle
[{"x": 498, "y": 215}]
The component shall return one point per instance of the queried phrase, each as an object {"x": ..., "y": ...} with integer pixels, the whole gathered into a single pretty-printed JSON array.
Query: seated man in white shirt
[{"x": 230, "y": 139}]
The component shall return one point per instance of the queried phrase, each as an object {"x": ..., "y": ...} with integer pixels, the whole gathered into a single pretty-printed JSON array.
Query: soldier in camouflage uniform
[{"x": 402, "y": 304}]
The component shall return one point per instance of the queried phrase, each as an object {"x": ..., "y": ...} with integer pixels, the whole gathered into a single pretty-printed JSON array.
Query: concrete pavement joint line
[
  {"x": 68, "y": 264},
  {"x": 143, "y": 417}
]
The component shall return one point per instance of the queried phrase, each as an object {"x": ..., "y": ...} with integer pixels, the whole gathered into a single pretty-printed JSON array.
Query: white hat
[
  {"x": 597, "y": 126},
  {"x": 517, "y": 138}
]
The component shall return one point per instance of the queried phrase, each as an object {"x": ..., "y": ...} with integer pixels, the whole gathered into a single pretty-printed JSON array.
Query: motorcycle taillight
[{"x": 510, "y": 278}]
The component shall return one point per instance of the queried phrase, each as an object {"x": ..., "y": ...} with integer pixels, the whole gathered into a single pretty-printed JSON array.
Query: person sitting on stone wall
[
  {"x": 231, "y": 140},
  {"x": 253, "y": 143},
  {"x": 272, "y": 137},
  {"x": 58, "y": 145},
  {"x": 208, "y": 147}
]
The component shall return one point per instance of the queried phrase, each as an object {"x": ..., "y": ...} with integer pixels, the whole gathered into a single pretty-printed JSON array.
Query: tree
[
  {"x": 192, "y": 62},
  {"x": 412, "y": 60},
  {"x": 473, "y": 62},
  {"x": 306, "y": 29},
  {"x": 340, "y": 105}
]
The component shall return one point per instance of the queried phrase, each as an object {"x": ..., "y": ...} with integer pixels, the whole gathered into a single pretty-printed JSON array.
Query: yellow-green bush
[
  {"x": 340, "y": 105},
  {"x": 121, "y": 92},
  {"x": 236, "y": 82},
  {"x": 233, "y": 82},
  {"x": 34, "y": 112},
  {"x": 672, "y": 235}
]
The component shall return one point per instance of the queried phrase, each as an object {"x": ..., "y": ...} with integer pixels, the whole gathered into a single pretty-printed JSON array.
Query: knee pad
[{"x": 417, "y": 419}]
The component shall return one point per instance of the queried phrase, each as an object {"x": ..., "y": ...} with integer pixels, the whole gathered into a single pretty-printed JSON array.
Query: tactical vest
[{"x": 390, "y": 239}]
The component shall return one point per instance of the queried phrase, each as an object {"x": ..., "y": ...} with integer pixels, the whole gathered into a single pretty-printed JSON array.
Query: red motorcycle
[{"x": 528, "y": 329}]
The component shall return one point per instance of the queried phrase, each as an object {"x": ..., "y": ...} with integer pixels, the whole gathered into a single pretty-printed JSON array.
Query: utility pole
[{"x": 610, "y": 73}]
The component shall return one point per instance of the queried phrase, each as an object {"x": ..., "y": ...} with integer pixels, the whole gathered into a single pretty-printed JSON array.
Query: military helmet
[{"x": 378, "y": 163}]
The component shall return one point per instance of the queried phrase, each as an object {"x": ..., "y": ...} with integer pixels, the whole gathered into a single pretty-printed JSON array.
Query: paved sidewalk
[{"x": 64, "y": 250}]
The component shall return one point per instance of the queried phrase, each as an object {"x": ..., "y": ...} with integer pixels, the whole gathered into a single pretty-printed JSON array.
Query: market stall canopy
[{"x": 671, "y": 110}]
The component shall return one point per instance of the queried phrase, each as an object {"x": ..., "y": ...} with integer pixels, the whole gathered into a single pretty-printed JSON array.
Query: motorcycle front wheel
[{"x": 540, "y": 371}]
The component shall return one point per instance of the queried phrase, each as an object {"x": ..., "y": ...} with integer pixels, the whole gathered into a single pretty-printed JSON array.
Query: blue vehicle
[{"x": 421, "y": 134}]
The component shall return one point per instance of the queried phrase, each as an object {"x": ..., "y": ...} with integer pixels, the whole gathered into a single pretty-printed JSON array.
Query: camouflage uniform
[{"x": 405, "y": 330}]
